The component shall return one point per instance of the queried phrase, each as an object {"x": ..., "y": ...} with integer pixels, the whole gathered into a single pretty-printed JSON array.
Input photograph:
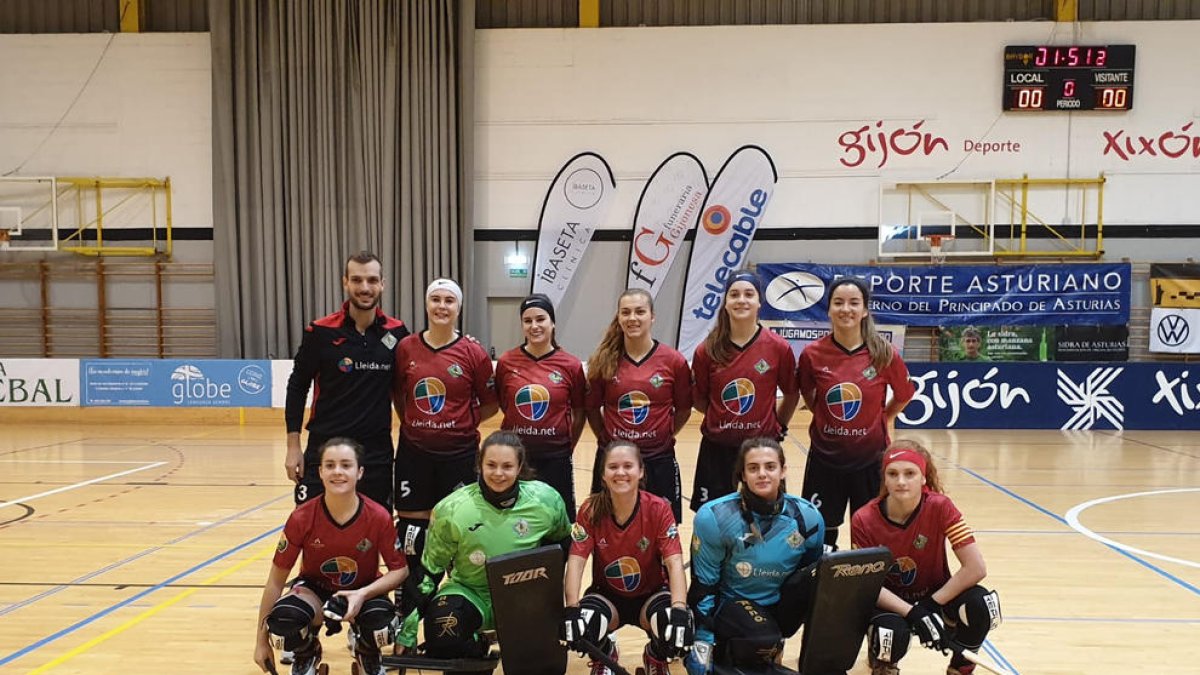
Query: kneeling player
[
  {"x": 915, "y": 520},
  {"x": 637, "y": 573},
  {"x": 343, "y": 536},
  {"x": 747, "y": 552},
  {"x": 497, "y": 514}
]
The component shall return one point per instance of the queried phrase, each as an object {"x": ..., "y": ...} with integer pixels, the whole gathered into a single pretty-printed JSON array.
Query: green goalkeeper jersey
[{"x": 466, "y": 531}]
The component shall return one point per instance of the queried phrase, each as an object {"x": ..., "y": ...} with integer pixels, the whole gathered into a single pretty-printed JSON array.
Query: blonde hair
[
  {"x": 599, "y": 504},
  {"x": 602, "y": 364},
  {"x": 931, "y": 475}
]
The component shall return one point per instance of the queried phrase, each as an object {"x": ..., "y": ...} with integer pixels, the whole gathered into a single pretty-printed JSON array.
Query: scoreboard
[{"x": 1068, "y": 77}]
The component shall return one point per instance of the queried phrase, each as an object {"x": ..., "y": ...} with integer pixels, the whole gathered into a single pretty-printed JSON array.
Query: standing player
[
  {"x": 747, "y": 552},
  {"x": 639, "y": 390},
  {"x": 444, "y": 390},
  {"x": 541, "y": 389},
  {"x": 844, "y": 379},
  {"x": 737, "y": 370},
  {"x": 637, "y": 573},
  {"x": 914, "y": 519},
  {"x": 344, "y": 537},
  {"x": 496, "y": 514},
  {"x": 350, "y": 357}
]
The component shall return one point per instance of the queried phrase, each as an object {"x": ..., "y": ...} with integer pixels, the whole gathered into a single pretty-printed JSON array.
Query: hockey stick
[
  {"x": 980, "y": 661},
  {"x": 603, "y": 657}
]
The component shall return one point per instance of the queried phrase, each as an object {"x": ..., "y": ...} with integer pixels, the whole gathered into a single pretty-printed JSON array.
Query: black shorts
[
  {"x": 662, "y": 479},
  {"x": 714, "y": 473},
  {"x": 629, "y": 608},
  {"x": 323, "y": 592},
  {"x": 831, "y": 489},
  {"x": 558, "y": 473},
  {"x": 423, "y": 478},
  {"x": 376, "y": 482}
]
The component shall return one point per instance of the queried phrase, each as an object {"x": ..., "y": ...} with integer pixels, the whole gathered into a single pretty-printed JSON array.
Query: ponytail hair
[
  {"x": 602, "y": 364},
  {"x": 718, "y": 344},
  {"x": 600, "y": 504},
  {"x": 881, "y": 350}
]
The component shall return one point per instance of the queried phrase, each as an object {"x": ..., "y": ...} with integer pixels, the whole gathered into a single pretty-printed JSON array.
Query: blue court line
[
  {"x": 1097, "y": 619},
  {"x": 991, "y": 650},
  {"x": 120, "y": 563},
  {"x": 132, "y": 599},
  {"x": 1139, "y": 533},
  {"x": 1154, "y": 568}
]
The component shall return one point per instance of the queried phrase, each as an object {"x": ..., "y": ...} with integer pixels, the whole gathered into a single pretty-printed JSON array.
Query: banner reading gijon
[
  {"x": 668, "y": 208},
  {"x": 577, "y": 201},
  {"x": 736, "y": 205}
]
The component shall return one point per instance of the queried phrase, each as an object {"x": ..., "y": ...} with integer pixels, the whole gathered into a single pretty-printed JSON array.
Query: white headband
[{"x": 444, "y": 285}]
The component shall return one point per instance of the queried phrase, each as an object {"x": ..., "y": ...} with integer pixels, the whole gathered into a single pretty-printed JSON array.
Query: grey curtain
[{"x": 338, "y": 125}]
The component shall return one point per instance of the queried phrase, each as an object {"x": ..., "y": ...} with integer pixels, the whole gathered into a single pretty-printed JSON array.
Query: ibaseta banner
[
  {"x": 577, "y": 201},
  {"x": 669, "y": 206},
  {"x": 732, "y": 214}
]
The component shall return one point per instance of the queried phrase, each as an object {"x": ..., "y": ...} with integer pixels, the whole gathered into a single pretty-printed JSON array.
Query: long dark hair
[
  {"x": 718, "y": 344},
  {"x": 602, "y": 364},
  {"x": 739, "y": 464},
  {"x": 600, "y": 504},
  {"x": 880, "y": 349},
  {"x": 513, "y": 441}
]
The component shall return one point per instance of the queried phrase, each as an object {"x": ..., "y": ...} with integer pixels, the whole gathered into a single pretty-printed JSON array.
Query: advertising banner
[
  {"x": 1091, "y": 343},
  {"x": 39, "y": 382},
  {"x": 736, "y": 206},
  {"x": 669, "y": 207},
  {"x": 172, "y": 383},
  {"x": 959, "y": 295},
  {"x": 1053, "y": 396},
  {"x": 801, "y": 334},
  {"x": 1175, "y": 314},
  {"x": 577, "y": 201},
  {"x": 996, "y": 343}
]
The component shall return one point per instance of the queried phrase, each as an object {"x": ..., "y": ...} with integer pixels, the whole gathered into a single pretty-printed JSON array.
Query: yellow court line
[{"x": 149, "y": 613}]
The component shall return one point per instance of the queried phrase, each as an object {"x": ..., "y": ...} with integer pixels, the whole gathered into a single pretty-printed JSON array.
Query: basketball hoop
[{"x": 936, "y": 253}]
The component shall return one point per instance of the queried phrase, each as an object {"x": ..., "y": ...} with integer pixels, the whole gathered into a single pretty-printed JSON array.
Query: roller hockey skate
[{"x": 307, "y": 661}]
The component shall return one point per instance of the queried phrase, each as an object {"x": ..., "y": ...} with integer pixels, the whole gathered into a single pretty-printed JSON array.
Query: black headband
[{"x": 540, "y": 301}]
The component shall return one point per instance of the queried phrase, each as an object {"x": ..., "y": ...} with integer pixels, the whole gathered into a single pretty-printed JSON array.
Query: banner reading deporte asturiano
[
  {"x": 575, "y": 204},
  {"x": 959, "y": 295},
  {"x": 732, "y": 214},
  {"x": 669, "y": 207}
]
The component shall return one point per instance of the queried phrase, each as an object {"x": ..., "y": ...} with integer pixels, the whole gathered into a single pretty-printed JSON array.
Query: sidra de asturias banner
[
  {"x": 669, "y": 207},
  {"x": 1096, "y": 294},
  {"x": 734, "y": 211},
  {"x": 576, "y": 202}
]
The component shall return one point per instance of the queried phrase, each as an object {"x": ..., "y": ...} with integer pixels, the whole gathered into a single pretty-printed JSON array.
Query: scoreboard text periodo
[{"x": 1068, "y": 77}]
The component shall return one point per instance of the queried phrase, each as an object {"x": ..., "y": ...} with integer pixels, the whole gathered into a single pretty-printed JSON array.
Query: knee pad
[
  {"x": 376, "y": 624},
  {"x": 887, "y": 638},
  {"x": 598, "y": 616},
  {"x": 410, "y": 536},
  {"x": 290, "y": 623},
  {"x": 658, "y": 617},
  {"x": 747, "y": 636},
  {"x": 978, "y": 612},
  {"x": 452, "y": 626}
]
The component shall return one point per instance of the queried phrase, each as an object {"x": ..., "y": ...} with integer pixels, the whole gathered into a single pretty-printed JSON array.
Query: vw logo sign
[
  {"x": 1173, "y": 330},
  {"x": 795, "y": 291}
]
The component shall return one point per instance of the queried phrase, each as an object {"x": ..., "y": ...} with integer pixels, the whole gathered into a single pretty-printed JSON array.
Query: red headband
[{"x": 904, "y": 455}]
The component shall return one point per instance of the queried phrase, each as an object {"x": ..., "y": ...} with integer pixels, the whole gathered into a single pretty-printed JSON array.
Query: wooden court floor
[{"x": 140, "y": 548}]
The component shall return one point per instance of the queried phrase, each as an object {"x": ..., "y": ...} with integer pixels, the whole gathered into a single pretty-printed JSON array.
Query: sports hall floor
[{"x": 140, "y": 548}]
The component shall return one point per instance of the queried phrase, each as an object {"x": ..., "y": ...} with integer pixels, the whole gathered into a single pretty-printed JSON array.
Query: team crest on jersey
[
  {"x": 920, "y": 541},
  {"x": 762, "y": 366},
  {"x": 696, "y": 544},
  {"x": 624, "y": 574},
  {"x": 794, "y": 539},
  {"x": 477, "y": 557},
  {"x": 555, "y": 377},
  {"x": 672, "y": 532},
  {"x": 455, "y": 370},
  {"x": 282, "y": 545},
  {"x": 578, "y": 533},
  {"x": 521, "y": 527},
  {"x": 341, "y": 571},
  {"x": 364, "y": 545},
  {"x": 643, "y": 544},
  {"x": 656, "y": 380},
  {"x": 389, "y": 340},
  {"x": 844, "y": 400},
  {"x": 429, "y": 395},
  {"x": 870, "y": 372}
]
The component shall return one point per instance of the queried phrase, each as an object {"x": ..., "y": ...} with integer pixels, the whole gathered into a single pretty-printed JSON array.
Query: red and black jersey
[
  {"x": 442, "y": 390},
  {"x": 339, "y": 557},
  {"x": 740, "y": 396},
  {"x": 538, "y": 395},
  {"x": 351, "y": 373},
  {"x": 629, "y": 556},
  {"x": 641, "y": 399},
  {"x": 848, "y": 429},
  {"x": 918, "y": 546}
]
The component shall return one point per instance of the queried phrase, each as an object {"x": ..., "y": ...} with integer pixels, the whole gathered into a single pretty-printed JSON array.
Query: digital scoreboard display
[{"x": 1066, "y": 77}]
